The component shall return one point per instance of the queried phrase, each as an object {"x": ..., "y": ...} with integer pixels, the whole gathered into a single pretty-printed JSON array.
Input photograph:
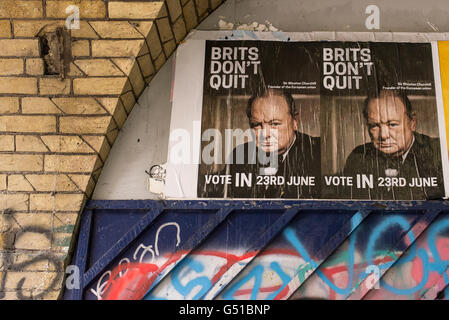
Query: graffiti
[
  {"x": 133, "y": 276},
  {"x": 54, "y": 263},
  {"x": 400, "y": 280},
  {"x": 412, "y": 265}
]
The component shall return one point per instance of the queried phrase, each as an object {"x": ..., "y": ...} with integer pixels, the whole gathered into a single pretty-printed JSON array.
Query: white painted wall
[{"x": 142, "y": 142}]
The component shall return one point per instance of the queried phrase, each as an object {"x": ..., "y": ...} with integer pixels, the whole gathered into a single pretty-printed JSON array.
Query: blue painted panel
[
  {"x": 261, "y": 250},
  {"x": 107, "y": 228}
]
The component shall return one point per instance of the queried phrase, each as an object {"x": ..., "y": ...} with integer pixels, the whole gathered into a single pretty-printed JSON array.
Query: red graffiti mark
[
  {"x": 232, "y": 259},
  {"x": 282, "y": 293},
  {"x": 131, "y": 285},
  {"x": 136, "y": 280},
  {"x": 138, "y": 277},
  {"x": 418, "y": 271},
  {"x": 243, "y": 292}
]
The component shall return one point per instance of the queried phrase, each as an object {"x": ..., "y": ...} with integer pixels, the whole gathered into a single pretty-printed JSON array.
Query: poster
[{"x": 318, "y": 120}]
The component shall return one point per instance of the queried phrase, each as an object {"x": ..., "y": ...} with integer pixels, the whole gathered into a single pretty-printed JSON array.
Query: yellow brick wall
[{"x": 56, "y": 133}]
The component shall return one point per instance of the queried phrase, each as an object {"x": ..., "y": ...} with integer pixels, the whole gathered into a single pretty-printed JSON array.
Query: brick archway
[{"x": 56, "y": 130}]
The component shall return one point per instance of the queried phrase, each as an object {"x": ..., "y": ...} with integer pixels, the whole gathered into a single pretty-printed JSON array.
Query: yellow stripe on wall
[{"x": 443, "y": 49}]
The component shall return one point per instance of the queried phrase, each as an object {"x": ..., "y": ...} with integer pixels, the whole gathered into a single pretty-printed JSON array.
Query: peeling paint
[{"x": 253, "y": 26}]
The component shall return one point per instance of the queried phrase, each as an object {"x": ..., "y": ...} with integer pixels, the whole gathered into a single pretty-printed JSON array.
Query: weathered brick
[
  {"x": 33, "y": 280},
  {"x": 54, "y": 86},
  {"x": 17, "y": 182},
  {"x": 215, "y": 3},
  {"x": 11, "y": 67},
  {"x": 88, "y": 8},
  {"x": 35, "y": 67},
  {"x": 112, "y": 135},
  {"x": 5, "y": 29},
  {"x": 46, "y": 294},
  {"x": 20, "y": 9},
  {"x": 190, "y": 16},
  {"x": 80, "y": 48},
  {"x": 169, "y": 47},
  {"x": 2, "y": 187},
  {"x": 137, "y": 81},
  {"x": 146, "y": 65},
  {"x": 98, "y": 67},
  {"x": 28, "y": 221},
  {"x": 51, "y": 182},
  {"x": 27, "y": 143},
  {"x": 39, "y": 105},
  {"x": 61, "y": 241},
  {"x": 19, "y": 47},
  {"x": 116, "y": 30},
  {"x": 9, "y": 295},
  {"x": 71, "y": 164},
  {"x": 31, "y": 28},
  {"x": 143, "y": 26},
  {"x": 57, "y": 202},
  {"x": 99, "y": 144},
  {"x": 26, "y": 257},
  {"x": 159, "y": 62},
  {"x": 174, "y": 9},
  {"x": 84, "y": 182},
  {"x": 128, "y": 100},
  {"x": 127, "y": 87},
  {"x": 125, "y": 64},
  {"x": 66, "y": 144},
  {"x": 9, "y": 105},
  {"x": 15, "y": 202},
  {"x": 116, "y": 48},
  {"x": 85, "y": 31},
  {"x": 20, "y": 162},
  {"x": 65, "y": 222},
  {"x": 120, "y": 115},
  {"x": 99, "y": 86},
  {"x": 75, "y": 71},
  {"x": 109, "y": 104},
  {"x": 84, "y": 125},
  {"x": 27, "y": 123},
  {"x": 164, "y": 28},
  {"x": 79, "y": 105},
  {"x": 202, "y": 7},
  {"x": 154, "y": 42},
  {"x": 32, "y": 241},
  {"x": 42, "y": 202},
  {"x": 6, "y": 143},
  {"x": 135, "y": 10},
  {"x": 179, "y": 29},
  {"x": 6, "y": 240},
  {"x": 14, "y": 85},
  {"x": 5, "y": 221}
]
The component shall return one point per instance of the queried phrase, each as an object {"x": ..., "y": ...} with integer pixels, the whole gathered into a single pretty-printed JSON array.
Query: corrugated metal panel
[{"x": 263, "y": 250}]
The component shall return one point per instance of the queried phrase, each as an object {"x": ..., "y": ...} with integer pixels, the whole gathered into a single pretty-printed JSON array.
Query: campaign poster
[
  {"x": 379, "y": 122},
  {"x": 260, "y": 121},
  {"x": 313, "y": 120}
]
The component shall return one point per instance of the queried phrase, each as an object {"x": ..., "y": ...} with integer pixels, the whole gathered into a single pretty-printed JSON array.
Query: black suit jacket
[
  {"x": 303, "y": 159},
  {"x": 423, "y": 160}
]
